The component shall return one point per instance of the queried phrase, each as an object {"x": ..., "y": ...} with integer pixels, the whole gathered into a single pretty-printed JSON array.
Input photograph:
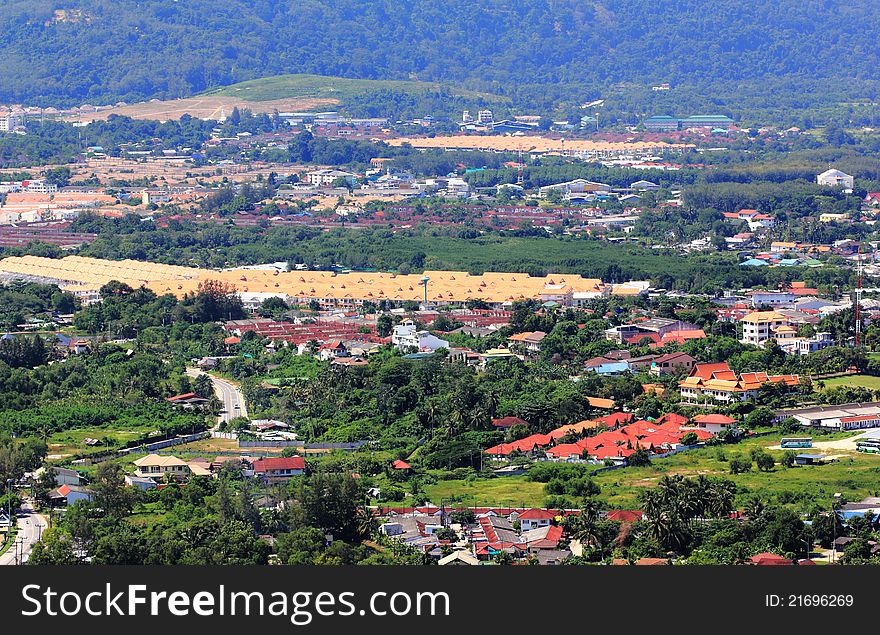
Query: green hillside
[{"x": 814, "y": 59}]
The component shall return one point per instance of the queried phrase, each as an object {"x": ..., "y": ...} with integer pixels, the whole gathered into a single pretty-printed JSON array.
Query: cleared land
[
  {"x": 209, "y": 107},
  {"x": 63, "y": 445}
]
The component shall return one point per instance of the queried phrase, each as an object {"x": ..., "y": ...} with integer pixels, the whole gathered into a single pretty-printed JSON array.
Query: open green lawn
[
  {"x": 319, "y": 86},
  {"x": 505, "y": 491},
  {"x": 854, "y": 381}
]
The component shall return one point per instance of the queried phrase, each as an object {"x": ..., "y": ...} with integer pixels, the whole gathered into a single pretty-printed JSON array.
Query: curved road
[
  {"x": 31, "y": 526},
  {"x": 228, "y": 394}
]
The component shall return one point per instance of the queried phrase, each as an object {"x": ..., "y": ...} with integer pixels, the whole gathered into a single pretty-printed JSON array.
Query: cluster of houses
[
  {"x": 520, "y": 533},
  {"x": 155, "y": 471},
  {"x": 620, "y": 436}
]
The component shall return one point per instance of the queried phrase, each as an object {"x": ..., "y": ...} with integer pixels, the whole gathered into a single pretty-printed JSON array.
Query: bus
[
  {"x": 869, "y": 446},
  {"x": 796, "y": 442}
]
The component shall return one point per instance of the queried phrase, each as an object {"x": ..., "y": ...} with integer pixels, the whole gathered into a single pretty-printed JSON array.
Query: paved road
[
  {"x": 31, "y": 526},
  {"x": 228, "y": 394}
]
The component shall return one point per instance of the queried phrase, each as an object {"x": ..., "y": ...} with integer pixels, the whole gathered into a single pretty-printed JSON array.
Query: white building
[
  {"x": 577, "y": 186},
  {"x": 406, "y": 336},
  {"x": 448, "y": 186},
  {"x": 324, "y": 178},
  {"x": 9, "y": 121},
  {"x": 835, "y": 178},
  {"x": 39, "y": 186}
]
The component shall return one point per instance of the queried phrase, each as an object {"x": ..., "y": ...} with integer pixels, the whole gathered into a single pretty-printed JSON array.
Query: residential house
[
  {"x": 69, "y": 494},
  {"x": 530, "y": 341},
  {"x": 459, "y": 558},
  {"x": 807, "y": 345},
  {"x": 714, "y": 423},
  {"x": 279, "y": 469},
  {"x": 140, "y": 482},
  {"x": 672, "y": 363},
  {"x": 154, "y": 466},
  {"x": 508, "y": 422},
  {"x": 63, "y": 475}
]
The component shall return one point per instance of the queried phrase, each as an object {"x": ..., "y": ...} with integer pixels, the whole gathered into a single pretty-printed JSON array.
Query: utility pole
[{"x": 859, "y": 297}]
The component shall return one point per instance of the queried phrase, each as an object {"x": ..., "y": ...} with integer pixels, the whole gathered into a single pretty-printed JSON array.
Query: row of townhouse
[{"x": 622, "y": 437}]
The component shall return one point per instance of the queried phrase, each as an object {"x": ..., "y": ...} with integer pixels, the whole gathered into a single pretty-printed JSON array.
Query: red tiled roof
[
  {"x": 767, "y": 558},
  {"x": 672, "y": 418},
  {"x": 624, "y": 515},
  {"x": 716, "y": 418},
  {"x": 401, "y": 465},
  {"x": 537, "y": 514},
  {"x": 279, "y": 463},
  {"x": 509, "y": 422}
]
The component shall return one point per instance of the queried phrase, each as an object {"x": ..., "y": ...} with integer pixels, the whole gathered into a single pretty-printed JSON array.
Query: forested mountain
[{"x": 73, "y": 51}]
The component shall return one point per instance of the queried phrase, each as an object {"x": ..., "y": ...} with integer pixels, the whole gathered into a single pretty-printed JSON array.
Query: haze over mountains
[{"x": 72, "y": 51}]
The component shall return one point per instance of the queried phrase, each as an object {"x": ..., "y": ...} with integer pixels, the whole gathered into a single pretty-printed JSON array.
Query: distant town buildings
[{"x": 667, "y": 123}]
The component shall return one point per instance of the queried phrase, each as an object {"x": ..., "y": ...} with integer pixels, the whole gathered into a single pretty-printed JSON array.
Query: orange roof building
[{"x": 718, "y": 383}]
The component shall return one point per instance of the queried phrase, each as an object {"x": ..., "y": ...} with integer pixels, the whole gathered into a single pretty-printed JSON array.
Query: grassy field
[
  {"x": 322, "y": 87},
  {"x": 507, "y": 491},
  {"x": 854, "y": 475},
  {"x": 854, "y": 381}
]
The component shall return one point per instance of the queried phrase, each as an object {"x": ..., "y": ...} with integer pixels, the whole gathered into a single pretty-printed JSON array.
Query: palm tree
[
  {"x": 721, "y": 496},
  {"x": 585, "y": 526}
]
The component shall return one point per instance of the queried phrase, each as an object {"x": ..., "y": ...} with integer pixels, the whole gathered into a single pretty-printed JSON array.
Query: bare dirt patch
[{"x": 211, "y": 107}]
